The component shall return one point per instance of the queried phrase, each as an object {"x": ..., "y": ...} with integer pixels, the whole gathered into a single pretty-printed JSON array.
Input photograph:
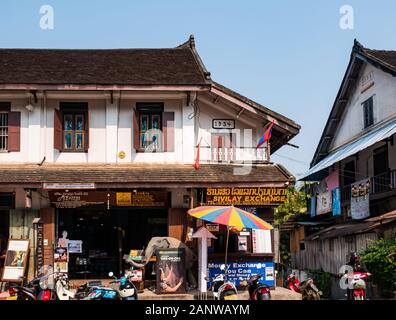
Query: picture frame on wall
[{"x": 16, "y": 260}]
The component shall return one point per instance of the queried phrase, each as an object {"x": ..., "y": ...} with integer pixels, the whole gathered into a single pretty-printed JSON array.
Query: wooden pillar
[{"x": 47, "y": 216}]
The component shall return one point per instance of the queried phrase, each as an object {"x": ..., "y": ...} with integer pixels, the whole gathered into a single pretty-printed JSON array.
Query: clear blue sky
[{"x": 288, "y": 55}]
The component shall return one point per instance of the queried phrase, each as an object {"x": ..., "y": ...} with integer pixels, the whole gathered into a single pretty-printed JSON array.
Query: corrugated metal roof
[{"x": 350, "y": 149}]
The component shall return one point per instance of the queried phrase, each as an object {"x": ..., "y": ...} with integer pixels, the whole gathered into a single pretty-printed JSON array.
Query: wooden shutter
[
  {"x": 86, "y": 136},
  {"x": 136, "y": 143},
  {"x": 57, "y": 130},
  {"x": 14, "y": 131},
  {"x": 168, "y": 130},
  {"x": 177, "y": 223}
]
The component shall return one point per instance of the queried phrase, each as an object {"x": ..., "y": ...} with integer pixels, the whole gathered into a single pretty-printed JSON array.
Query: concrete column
[
  {"x": 111, "y": 128},
  {"x": 34, "y": 122},
  {"x": 188, "y": 125}
]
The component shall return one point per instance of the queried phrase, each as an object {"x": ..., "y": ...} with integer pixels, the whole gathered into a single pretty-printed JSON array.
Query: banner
[
  {"x": 324, "y": 203},
  {"x": 239, "y": 271},
  {"x": 360, "y": 199},
  {"x": 313, "y": 207},
  {"x": 336, "y": 202},
  {"x": 171, "y": 271}
]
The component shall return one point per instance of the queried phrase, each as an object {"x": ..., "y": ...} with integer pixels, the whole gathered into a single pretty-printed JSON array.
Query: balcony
[
  {"x": 381, "y": 183},
  {"x": 232, "y": 155}
]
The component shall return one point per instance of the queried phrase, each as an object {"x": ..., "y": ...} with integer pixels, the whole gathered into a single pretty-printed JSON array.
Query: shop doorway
[{"x": 107, "y": 235}]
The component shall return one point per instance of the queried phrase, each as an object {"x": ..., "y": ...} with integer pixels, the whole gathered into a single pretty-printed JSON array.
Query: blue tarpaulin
[{"x": 350, "y": 149}]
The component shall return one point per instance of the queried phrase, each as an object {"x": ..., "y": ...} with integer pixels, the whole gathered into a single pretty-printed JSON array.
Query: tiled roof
[
  {"x": 174, "y": 66},
  {"x": 144, "y": 175}
]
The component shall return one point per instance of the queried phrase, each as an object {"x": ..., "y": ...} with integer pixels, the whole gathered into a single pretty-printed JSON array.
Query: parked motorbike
[
  {"x": 120, "y": 289},
  {"x": 223, "y": 289},
  {"x": 257, "y": 290},
  {"x": 62, "y": 289},
  {"x": 307, "y": 288},
  {"x": 37, "y": 289},
  {"x": 358, "y": 290}
]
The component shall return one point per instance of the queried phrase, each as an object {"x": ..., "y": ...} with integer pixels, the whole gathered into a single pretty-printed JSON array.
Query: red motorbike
[
  {"x": 37, "y": 289},
  {"x": 357, "y": 290},
  {"x": 307, "y": 288}
]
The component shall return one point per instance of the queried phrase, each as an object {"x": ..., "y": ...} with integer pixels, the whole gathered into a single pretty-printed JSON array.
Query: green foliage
[
  {"x": 380, "y": 261},
  {"x": 322, "y": 281},
  {"x": 295, "y": 204}
]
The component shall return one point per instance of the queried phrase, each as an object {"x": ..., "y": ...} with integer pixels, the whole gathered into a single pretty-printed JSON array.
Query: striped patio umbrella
[{"x": 229, "y": 216}]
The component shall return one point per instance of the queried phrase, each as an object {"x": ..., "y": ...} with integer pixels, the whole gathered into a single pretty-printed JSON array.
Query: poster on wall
[
  {"x": 239, "y": 271},
  {"x": 261, "y": 241},
  {"x": 360, "y": 199},
  {"x": 15, "y": 260},
  {"x": 324, "y": 203},
  {"x": 74, "y": 246},
  {"x": 171, "y": 271}
]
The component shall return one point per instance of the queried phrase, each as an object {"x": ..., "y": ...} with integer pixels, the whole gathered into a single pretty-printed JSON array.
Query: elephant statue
[{"x": 156, "y": 243}]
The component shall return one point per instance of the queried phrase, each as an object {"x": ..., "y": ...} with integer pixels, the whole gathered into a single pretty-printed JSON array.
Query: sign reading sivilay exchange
[{"x": 249, "y": 196}]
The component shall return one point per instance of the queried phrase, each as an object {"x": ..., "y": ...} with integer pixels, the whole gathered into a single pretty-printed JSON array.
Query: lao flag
[{"x": 266, "y": 136}]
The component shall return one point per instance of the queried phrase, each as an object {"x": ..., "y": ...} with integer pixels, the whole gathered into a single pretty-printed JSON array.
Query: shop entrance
[{"x": 106, "y": 236}]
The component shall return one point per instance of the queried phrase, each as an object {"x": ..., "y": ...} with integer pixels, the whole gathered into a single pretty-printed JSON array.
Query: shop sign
[
  {"x": 76, "y": 199},
  {"x": 15, "y": 260},
  {"x": 171, "y": 271},
  {"x": 239, "y": 271},
  {"x": 57, "y": 186},
  {"x": 250, "y": 196},
  {"x": 212, "y": 227}
]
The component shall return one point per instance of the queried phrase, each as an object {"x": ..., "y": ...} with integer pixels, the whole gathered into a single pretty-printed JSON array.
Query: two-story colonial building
[
  {"x": 101, "y": 144},
  {"x": 354, "y": 167}
]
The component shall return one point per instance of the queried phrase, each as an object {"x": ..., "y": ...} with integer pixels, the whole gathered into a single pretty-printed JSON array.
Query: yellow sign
[
  {"x": 249, "y": 196},
  {"x": 121, "y": 155},
  {"x": 124, "y": 199}
]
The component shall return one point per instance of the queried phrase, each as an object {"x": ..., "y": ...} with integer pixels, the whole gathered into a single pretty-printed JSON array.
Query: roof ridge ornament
[{"x": 357, "y": 46}]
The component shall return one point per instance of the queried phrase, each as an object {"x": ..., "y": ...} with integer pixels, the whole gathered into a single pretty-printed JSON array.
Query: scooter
[
  {"x": 61, "y": 288},
  {"x": 120, "y": 289},
  {"x": 257, "y": 290},
  {"x": 36, "y": 289},
  {"x": 307, "y": 288},
  {"x": 223, "y": 289},
  {"x": 358, "y": 285}
]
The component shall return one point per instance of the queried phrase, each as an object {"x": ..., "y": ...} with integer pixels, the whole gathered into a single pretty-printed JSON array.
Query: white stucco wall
[
  {"x": 111, "y": 130},
  {"x": 384, "y": 93}
]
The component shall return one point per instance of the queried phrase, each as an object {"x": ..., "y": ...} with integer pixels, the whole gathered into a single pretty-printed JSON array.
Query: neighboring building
[
  {"x": 354, "y": 166},
  {"x": 101, "y": 143}
]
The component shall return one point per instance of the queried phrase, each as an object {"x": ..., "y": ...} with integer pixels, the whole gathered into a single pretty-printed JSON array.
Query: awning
[
  {"x": 350, "y": 149},
  {"x": 144, "y": 175}
]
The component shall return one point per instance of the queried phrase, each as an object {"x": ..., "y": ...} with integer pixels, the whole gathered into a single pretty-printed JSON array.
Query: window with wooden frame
[
  {"x": 74, "y": 127},
  {"x": 153, "y": 128},
  {"x": 10, "y": 128},
  {"x": 368, "y": 112},
  {"x": 3, "y": 130}
]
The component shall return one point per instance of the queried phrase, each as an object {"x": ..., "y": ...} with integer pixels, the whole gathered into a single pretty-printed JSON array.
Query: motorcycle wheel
[{"x": 265, "y": 296}]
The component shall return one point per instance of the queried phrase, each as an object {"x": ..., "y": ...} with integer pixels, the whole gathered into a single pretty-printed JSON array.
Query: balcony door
[
  {"x": 381, "y": 170},
  {"x": 223, "y": 147}
]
